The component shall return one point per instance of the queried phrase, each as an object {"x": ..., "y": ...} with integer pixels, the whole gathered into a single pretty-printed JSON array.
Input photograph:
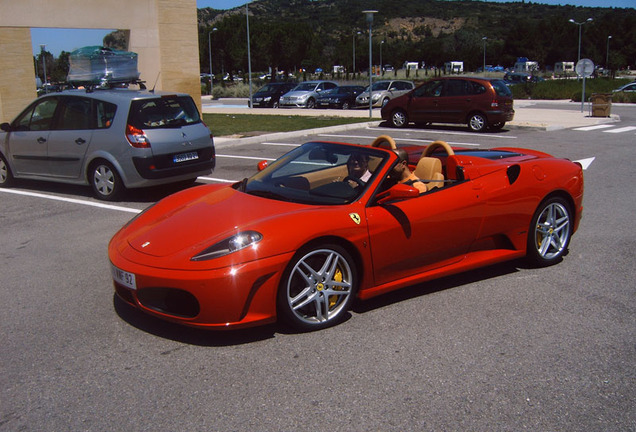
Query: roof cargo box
[{"x": 96, "y": 64}]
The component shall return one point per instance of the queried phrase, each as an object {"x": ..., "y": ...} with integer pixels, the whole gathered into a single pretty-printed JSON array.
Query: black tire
[
  {"x": 6, "y": 177},
  {"x": 346, "y": 105},
  {"x": 311, "y": 103},
  {"x": 317, "y": 287},
  {"x": 550, "y": 232},
  {"x": 105, "y": 181},
  {"x": 399, "y": 119},
  {"x": 384, "y": 102},
  {"x": 477, "y": 122}
]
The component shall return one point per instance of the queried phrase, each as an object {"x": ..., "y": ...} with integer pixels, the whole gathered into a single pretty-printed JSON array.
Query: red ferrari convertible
[{"x": 329, "y": 222}]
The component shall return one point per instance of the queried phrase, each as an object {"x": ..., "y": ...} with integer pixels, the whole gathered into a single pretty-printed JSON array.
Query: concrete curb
[{"x": 527, "y": 118}]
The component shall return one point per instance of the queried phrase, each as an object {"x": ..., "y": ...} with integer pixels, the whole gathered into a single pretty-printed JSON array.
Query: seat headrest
[{"x": 427, "y": 167}]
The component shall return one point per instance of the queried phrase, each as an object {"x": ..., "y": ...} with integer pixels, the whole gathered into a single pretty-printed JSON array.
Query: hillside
[{"x": 319, "y": 33}]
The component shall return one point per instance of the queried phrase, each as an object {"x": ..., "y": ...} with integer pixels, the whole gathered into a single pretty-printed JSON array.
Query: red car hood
[{"x": 199, "y": 221}]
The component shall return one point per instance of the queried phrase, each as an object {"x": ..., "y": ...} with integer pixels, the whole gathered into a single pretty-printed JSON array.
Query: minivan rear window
[
  {"x": 501, "y": 88},
  {"x": 163, "y": 112}
]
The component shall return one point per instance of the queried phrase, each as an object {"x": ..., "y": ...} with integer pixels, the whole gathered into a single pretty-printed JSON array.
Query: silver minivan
[
  {"x": 110, "y": 139},
  {"x": 383, "y": 92}
]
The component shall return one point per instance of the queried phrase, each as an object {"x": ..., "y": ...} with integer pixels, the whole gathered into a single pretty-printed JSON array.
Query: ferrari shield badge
[{"x": 355, "y": 217}]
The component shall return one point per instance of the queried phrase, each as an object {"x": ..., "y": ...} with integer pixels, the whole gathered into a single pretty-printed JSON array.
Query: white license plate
[
  {"x": 124, "y": 278},
  {"x": 182, "y": 157}
]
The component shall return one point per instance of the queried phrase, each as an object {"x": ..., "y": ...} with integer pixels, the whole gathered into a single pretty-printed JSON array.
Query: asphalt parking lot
[{"x": 504, "y": 348}]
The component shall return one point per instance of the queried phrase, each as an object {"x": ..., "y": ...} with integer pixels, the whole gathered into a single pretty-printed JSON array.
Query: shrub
[{"x": 570, "y": 89}]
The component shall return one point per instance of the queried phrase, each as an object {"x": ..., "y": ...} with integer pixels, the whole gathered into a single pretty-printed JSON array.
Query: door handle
[
  {"x": 80, "y": 141},
  {"x": 41, "y": 140}
]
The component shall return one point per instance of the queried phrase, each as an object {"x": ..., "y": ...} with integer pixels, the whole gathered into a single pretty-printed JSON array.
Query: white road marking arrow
[{"x": 585, "y": 163}]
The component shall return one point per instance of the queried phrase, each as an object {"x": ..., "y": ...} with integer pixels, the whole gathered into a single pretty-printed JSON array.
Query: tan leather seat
[{"x": 429, "y": 170}]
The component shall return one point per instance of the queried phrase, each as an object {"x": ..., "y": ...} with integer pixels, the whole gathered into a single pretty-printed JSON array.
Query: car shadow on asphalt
[
  {"x": 437, "y": 285},
  {"x": 220, "y": 338},
  {"x": 438, "y": 127},
  {"x": 190, "y": 335}
]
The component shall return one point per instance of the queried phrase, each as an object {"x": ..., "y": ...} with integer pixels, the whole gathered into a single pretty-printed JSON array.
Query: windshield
[
  {"x": 269, "y": 88},
  {"x": 318, "y": 173},
  {"x": 305, "y": 87},
  {"x": 381, "y": 86}
]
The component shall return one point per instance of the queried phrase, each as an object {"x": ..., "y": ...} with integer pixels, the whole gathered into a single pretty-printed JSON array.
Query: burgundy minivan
[{"x": 481, "y": 103}]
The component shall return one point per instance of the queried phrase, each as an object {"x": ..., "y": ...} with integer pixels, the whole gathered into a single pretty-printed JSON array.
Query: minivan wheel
[
  {"x": 477, "y": 122},
  {"x": 399, "y": 119},
  {"x": 105, "y": 181},
  {"x": 6, "y": 178}
]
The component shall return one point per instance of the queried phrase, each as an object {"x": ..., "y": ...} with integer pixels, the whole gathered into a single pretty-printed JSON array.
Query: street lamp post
[
  {"x": 249, "y": 56},
  {"x": 369, "y": 15},
  {"x": 484, "y": 39},
  {"x": 210, "y": 57},
  {"x": 42, "y": 48},
  {"x": 354, "y": 51},
  {"x": 607, "y": 58},
  {"x": 381, "y": 67},
  {"x": 580, "y": 24}
]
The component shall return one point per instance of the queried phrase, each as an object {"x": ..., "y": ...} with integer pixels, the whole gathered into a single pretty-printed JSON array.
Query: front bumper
[{"x": 230, "y": 297}]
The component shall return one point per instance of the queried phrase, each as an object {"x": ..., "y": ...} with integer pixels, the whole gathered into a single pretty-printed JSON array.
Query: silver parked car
[
  {"x": 384, "y": 91},
  {"x": 304, "y": 95},
  {"x": 110, "y": 139}
]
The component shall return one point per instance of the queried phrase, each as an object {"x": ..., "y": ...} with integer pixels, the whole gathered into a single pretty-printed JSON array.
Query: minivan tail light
[{"x": 136, "y": 137}]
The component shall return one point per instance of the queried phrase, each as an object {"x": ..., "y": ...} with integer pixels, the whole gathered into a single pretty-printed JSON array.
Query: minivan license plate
[{"x": 182, "y": 157}]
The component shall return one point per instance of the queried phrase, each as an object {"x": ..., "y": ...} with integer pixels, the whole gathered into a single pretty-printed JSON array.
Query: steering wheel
[
  {"x": 356, "y": 180},
  {"x": 436, "y": 145},
  {"x": 382, "y": 139}
]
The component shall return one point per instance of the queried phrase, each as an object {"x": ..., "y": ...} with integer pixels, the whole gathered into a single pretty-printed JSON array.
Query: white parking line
[
  {"x": 217, "y": 180},
  {"x": 244, "y": 157},
  {"x": 591, "y": 128},
  {"x": 621, "y": 130},
  {"x": 281, "y": 144},
  {"x": 71, "y": 200},
  {"x": 585, "y": 163}
]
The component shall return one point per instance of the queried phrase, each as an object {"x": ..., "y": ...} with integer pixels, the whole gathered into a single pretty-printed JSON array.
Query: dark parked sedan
[
  {"x": 268, "y": 96},
  {"x": 341, "y": 97}
]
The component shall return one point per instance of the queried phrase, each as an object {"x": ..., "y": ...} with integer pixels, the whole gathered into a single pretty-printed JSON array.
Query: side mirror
[
  {"x": 262, "y": 165},
  {"x": 397, "y": 192},
  {"x": 5, "y": 127}
]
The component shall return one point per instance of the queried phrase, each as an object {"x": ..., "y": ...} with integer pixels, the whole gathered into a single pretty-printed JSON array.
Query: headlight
[
  {"x": 376, "y": 97},
  {"x": 267, "y": 99},
  {"x": 303, "y": 97},
  {"x": 231, "y": 244}
]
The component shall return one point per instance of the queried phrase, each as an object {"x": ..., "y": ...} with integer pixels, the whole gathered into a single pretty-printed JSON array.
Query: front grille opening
[
  {"x": 124, "y": 294},
  {"x": 170, "y": 301}
]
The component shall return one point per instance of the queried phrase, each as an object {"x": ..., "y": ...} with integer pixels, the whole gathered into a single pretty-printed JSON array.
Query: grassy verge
[{"x": 250, "y": 124}]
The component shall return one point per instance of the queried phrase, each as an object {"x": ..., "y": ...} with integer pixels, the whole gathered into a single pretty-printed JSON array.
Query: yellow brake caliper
[{"x": 334, "y": 299}]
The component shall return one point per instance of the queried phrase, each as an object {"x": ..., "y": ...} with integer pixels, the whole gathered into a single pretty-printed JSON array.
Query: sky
[{"x": 58, "y": 40}]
